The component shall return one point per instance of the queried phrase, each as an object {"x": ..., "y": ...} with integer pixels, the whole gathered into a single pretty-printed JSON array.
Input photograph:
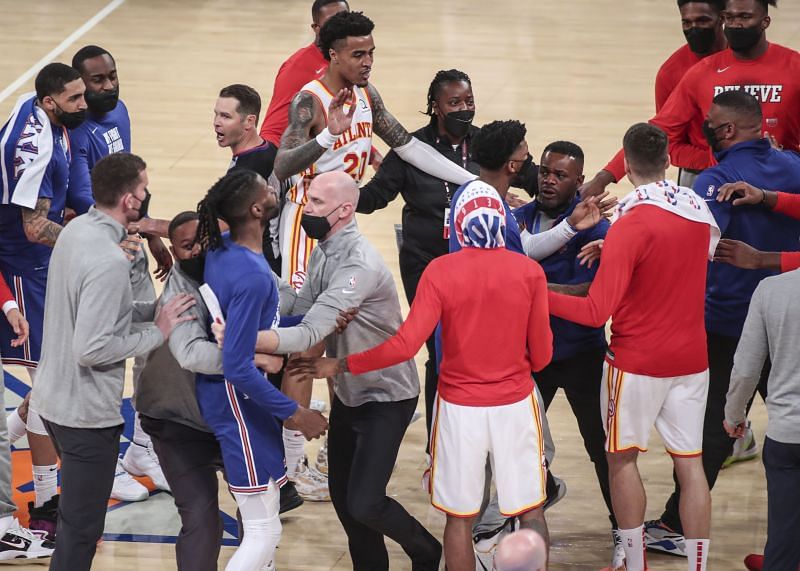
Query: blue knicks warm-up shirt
[
  {"x": 248, "y": 296},
  {"x": 17, "y": 254},
  {"x": 97, "y": 137}
]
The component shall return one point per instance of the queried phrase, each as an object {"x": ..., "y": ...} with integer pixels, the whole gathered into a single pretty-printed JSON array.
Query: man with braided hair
[{"x": 241, "y": 406}]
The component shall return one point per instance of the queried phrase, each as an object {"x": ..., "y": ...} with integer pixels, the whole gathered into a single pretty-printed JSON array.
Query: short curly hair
[
  {"x": 496, "y": 142},
  {"x": 342, "y": 26}
]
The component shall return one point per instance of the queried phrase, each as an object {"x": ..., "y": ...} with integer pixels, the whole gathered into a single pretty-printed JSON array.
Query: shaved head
[
  {"x": 524, "y": 550},
  {"x": 332, "y": 194},
  {"x": 338, "y": 186}
]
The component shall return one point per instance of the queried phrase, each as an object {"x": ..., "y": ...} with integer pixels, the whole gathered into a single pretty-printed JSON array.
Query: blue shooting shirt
[
  {"x": 97, "y": 137},
  {"x": 562, "y": 267},
  {"x": 728, "y": 288},
  {"x": 513, "y": 239}
]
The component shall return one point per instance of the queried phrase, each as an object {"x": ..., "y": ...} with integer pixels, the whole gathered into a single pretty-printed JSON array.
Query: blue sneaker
[{"x": 659, "y": 537}]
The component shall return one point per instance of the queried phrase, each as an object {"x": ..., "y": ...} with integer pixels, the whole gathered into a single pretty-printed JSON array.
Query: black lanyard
[{"x": 464, "y": 158}]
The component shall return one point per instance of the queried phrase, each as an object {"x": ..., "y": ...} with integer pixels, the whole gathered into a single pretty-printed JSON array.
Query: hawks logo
[{"x": 298, "y": 279}]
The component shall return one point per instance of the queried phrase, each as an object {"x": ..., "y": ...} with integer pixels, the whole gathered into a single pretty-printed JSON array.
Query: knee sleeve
[
  {"x": 35, "y": 424},
  {"x": 261, "y": 529}
]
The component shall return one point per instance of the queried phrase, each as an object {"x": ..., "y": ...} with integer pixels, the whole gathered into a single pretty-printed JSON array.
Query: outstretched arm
[
  {"x": 298, "y": 149},
  {"x": 411, "y": 149}
]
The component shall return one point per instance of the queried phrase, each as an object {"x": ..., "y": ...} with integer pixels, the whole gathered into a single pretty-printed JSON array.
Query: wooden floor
[{"x": 581, "y": 71}]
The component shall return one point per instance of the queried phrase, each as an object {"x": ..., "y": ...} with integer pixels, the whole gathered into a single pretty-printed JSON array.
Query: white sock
[
  {"x": 293, "y": 447},
  {"x": 5, "y": 524},
  {"x": 16, "y": 426},
  {"x": 261, "y": 530},
  {"x": 45, "y": 483},
  {"x": 697, "y": 554},
  {"x": 633, "y": 544},
  {"x": 140, "y": 437}
]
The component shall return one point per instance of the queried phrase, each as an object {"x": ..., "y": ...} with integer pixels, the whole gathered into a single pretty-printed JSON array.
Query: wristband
[
  {"x": 9, "y": 305},
  {"x": 763, "y": 195},
  {"x": 326, "y": 139}
]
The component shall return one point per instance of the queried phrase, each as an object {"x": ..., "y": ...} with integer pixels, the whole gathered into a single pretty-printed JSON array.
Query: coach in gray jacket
[
  {"x": 772, "y": 330},
  {"x": 87, "y": 337},
  {"x": 371, "y": 412}
]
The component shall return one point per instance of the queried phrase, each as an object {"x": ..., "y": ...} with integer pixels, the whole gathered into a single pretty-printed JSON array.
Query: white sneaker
[
  {"x": 142, "y": 461},
  {"x": 126, "y": 488},
  {"x": 20, "y": 543},
  {"x": 322, "y": 458},
  {"x": 311, "y": 484},
  {"x": 618, "y": 559}
]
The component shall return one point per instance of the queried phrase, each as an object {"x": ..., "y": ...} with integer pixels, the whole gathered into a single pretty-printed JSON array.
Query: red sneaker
[{"x": 754, "y": 562}]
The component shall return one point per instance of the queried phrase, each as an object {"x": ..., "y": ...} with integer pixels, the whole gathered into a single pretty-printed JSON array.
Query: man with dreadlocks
[{"x": 241, "y": 406}]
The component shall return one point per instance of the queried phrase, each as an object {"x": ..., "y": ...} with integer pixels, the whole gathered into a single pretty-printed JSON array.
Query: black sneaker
[
  {"x": 44, "y": 518},
  {"x": 20, "y": 543},
  {"x": 290, "y": 499}
]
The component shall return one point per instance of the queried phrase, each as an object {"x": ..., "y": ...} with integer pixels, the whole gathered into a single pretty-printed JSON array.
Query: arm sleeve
[
  {"x": 7, "y": 301},
  {"x": 620, "y": 252},
  {"x": 96, "y": 344},
  {"x": 189, "y": 342},
  {"x": 79, "y": 191},
  {"x": 349, "y": 285},
  {"x": 707, "y": 187},
  {"x": 428, "y": 160},
  {"x": 788, "y": 204},
  {"x": 616, "y": 166},
  {"x": 680, "y": 110},
  {"x": 422, "y": 318},
  {"x": 752, "y": 351},
  {"x": 540, "y": 336},
  {"x": 242, "y": 316},
  {"x": 539, "y": 246},
  {"x": 790, "y": 261},
  {"x": 384, "y": 187}
]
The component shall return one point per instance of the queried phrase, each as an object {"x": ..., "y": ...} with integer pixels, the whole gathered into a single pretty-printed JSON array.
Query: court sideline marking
[{"x": 34, "y": 69}]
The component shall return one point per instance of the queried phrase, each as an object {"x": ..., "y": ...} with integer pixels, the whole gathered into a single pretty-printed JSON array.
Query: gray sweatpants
[{"x": 7, "y": 506}]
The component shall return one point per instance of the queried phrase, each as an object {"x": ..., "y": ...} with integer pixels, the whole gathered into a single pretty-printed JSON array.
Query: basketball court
[{"x": 580, "y": 71}]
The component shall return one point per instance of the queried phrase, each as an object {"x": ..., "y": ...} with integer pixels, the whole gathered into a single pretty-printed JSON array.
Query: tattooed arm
[
  {"x": 411, "y": 149},
  {"x": 37, "y": 227},
  {"x": 298, "y": 149}
]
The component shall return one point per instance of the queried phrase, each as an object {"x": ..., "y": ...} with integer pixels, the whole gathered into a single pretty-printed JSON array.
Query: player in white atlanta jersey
[
  {"x": 350, "y": 153},
  {"x": 330, "y": 128}
]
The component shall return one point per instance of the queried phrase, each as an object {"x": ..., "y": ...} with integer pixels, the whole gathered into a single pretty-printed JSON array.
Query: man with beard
[
  {"x": 770, "y": 72},
  {"x": 702, "y": 27},
  {"x": 34, "y": 157}
]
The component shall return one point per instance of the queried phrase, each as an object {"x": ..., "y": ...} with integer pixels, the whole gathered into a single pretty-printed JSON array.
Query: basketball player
[
  {"x": 305, "y": 65},
  {"x": 241, "y": 407},
  {"x": 702, "y": 26},
  {"x": 485, "y": 388},
  {"x": 16, "y": 542},
  {"x": 331, "y": 121},
  {"x": 768, "y": 71},
  {"x": 34, "y": 159},
  {"x": 651, "y": 282},
  {"x": 735, "y": 121}
]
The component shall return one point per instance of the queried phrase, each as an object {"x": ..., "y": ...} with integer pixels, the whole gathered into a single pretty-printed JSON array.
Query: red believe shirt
[
  {"x": 303, "y": 66},
  {"x": 651, "y": 283},
  {"x": 789, "y": 204},
  {"x": 774, "y": 79},
  {"x": 492, "y": 305}
]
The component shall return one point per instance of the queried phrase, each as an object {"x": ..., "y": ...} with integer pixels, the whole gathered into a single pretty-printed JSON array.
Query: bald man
[
  {"x": 524, "y": 550},
  {"x": 370, "y": 412}
]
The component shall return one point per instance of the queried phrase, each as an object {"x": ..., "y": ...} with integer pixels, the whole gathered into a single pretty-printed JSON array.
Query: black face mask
[
  {"x": 194, "y": 267},
  {"x": 700, "y": 40},
  {"x": 711, "y": 134},
  {"x": 145, "y": 205},
  {"x": 317, "y": 227},
  {"x": 71, "y": 120},
  {"x": 102, "y": 102},
  {"x": 522, "y": 174},
  {"x": 743, "y": 39},
  {"x": 457, "y": 123}
]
